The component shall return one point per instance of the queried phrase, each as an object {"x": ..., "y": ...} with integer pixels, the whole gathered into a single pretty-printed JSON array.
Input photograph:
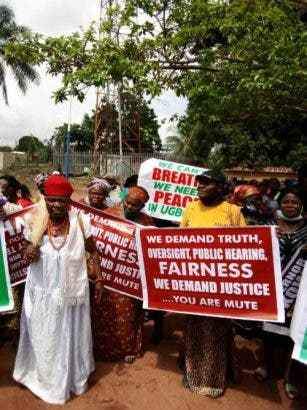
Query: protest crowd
[{"x": 67, "y": 316}]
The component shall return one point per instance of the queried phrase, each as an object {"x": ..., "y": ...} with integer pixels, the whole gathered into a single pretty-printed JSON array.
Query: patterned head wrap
[
  {"x": 100, "y": 184},
  {"x": 138, "y": 193},
  {"x": 241, "y": 192}
]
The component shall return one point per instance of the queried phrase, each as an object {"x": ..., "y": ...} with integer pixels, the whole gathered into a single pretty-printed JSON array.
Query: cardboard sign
[
  {"x": 6, "y": 298},
  {"x": 225, "y": 272},
  {"x": 171, "y": 186},
  {"x": 115, "y": 241}
]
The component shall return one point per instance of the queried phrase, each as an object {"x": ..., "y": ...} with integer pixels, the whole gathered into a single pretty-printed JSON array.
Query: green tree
[
  {"x": 150, "y": 138},
  {"x": 253, "y": 106},
  {"x": 241, "y": 64},
  {"x": 21, "y": 69},
  {"x": 81, "y": 135},
  {"x": 140, "y": 122},
  {"x": 5, "y": 148},
  {"x": 32, "y": 146}
]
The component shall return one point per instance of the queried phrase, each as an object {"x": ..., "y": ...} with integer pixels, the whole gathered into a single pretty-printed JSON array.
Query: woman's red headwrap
[{"x": 241, "y": 192}]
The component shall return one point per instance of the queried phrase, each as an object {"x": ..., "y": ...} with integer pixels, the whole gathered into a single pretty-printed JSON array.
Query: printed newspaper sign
[
  {"x": 6, "y": 298},
  {"x": 170, "y": 185},
  {"x": 115, "y": 241},
  {"x": 14, "y": 227},
  {"x": 225, "y": 272}
]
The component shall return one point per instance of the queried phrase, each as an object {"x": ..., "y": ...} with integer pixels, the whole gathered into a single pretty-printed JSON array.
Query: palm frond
[
  {"x": 11, "y": 31},
  {"x": 20, "y": 78},
  {"x": 21, "y": 68},
  {"x": 3, "y": 83},
  {"x": 23, "y": 72},
  {"x": 6, "y": 15}
]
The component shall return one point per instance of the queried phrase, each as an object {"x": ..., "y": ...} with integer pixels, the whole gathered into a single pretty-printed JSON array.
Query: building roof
[
  {"x": 259, "y": 174},
  {"x": 272, "y": 170}
]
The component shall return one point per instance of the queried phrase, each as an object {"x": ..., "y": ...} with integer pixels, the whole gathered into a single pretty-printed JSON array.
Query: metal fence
[
  {"x": 21, "y": 160},
  {"x": 126, "y": 165},
  {"x": 80, "y": 162}
]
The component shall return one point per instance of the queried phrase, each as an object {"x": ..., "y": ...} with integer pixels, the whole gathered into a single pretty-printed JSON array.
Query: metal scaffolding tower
[{"x": 115, "y": 131}]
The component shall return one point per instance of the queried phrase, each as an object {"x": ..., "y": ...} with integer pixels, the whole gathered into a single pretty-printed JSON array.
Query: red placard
[
  {"x": 225, "y": 272},
  {"x": 14, "y": 226},
  {"x": 115, "y": 241}
]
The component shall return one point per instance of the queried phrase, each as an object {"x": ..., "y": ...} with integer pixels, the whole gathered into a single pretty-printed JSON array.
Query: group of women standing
[{"x": 68, "y": 322}]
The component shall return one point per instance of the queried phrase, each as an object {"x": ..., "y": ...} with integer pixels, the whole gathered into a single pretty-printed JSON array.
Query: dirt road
[{"x": 152, "y": 382}]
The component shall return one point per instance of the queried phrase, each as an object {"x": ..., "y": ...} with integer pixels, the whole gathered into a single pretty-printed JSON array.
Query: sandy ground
[{"x": 152, "y": 382}]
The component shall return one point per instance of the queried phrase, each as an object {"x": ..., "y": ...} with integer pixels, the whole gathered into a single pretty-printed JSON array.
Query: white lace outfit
[{"x": 55, "y": 353}]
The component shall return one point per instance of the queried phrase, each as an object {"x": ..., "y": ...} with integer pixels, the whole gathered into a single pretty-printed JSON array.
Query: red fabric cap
[{"x": 58, "y": 185}]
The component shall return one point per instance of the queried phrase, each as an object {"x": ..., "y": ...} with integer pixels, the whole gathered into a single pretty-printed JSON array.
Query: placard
[
  {"x": 170, "y": 185},
  {"x": 6, "y": 298},
  {"x": 115, "y": 241},
  {"x": 14, "y": 227},
  {"x": 225, "y": 272}
]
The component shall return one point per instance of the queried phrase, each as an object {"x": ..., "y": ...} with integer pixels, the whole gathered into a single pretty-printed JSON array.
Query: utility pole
[
  {"x": 119, "y": 102},
  {"x": 102, "y": 98},
  {"x": 120, "y": 128},
  {"x": 67, "y": 142}
]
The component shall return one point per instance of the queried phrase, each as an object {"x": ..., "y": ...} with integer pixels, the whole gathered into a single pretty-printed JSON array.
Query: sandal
[
  {"x": 291, "y": 391},
  {"x": 185, "y": 382},
  {"x": 261, "y": 374},
  {"x": 129, "y": 359}
]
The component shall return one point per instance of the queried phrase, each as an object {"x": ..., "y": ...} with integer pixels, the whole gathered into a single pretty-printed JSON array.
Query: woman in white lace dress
[{"x": 55, "y": 356}]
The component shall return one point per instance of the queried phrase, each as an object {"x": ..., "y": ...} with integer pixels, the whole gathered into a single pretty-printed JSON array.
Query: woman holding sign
[
  {"x": 293, "y": 251},
  {"x": 208, "y": 340},
  {"x": 118, "y": 319},
  {"x": 103, "y": 312},
  {"x": 55, "y": 355},
  {"x": 9, "y": 322}
]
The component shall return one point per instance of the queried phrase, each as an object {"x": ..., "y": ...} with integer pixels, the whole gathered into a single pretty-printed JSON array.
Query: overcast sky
[{"x": 35, "y": 113}]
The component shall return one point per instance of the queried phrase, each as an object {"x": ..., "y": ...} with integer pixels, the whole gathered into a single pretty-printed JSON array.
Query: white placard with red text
[{"x": 170, "y": 185}]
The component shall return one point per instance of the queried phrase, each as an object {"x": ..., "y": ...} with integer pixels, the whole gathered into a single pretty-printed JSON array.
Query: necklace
[
  {"x": 289, "y": 230},
  {"x": 54, "y": 231}
]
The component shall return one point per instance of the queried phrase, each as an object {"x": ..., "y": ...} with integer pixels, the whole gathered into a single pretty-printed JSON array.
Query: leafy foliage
[
  {"x": 5, "y": 148},
  {"x": 139, "y": 117},
  {"x": 30, "y": 144},
  {"x": 21, "y": 68},
  {"x": 82, "y": 135},
  {"x": 241, "y": 64},
  {"x": 253, "y": 107}
]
